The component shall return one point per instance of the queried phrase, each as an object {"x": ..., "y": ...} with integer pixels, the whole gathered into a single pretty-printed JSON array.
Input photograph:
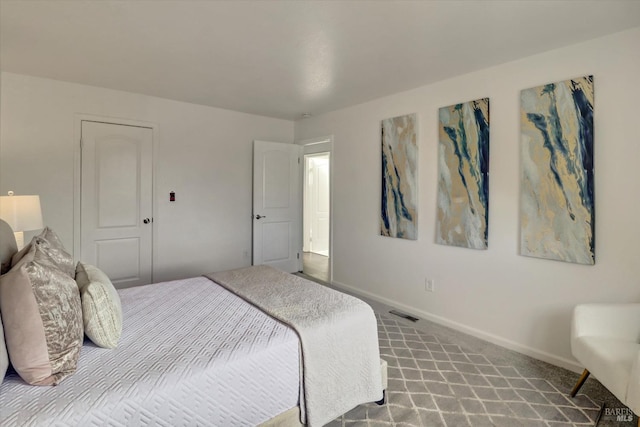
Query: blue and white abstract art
[
  {"x": 463, "y": 175},
  {"x": 557, "y": 207},
  {"x": 399, "y": 216}
]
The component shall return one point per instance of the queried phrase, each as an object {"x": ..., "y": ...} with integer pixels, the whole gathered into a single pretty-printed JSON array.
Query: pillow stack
[
  {"x": 41, "y": 312},
  {"x": 47, "y": 305}
]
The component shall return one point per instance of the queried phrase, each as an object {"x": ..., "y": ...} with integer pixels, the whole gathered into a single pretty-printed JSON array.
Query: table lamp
[{"x": 22, "y": 213}]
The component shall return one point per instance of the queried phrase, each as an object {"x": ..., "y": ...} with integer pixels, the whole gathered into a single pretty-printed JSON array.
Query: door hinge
[{"x": 298, "y": 255}]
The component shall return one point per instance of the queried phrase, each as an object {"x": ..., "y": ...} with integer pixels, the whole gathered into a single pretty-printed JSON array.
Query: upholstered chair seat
[{"x": 605, "y": 338}]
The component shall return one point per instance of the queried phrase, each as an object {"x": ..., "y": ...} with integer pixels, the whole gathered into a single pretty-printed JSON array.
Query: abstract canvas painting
[
  {"x": 399, "y": 216},
  {"x": 463, "y": 175},
  {"x": 557, "y": 208}
]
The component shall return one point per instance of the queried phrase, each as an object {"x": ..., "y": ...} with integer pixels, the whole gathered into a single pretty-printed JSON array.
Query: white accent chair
[{"x": 605, "y": 338}]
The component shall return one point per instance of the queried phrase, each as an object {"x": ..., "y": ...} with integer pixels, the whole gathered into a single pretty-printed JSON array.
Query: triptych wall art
[
  {"x": 557, "y": 208},
  {"x": 463, "y": 175},
  {"x": 399, "y": 210}
]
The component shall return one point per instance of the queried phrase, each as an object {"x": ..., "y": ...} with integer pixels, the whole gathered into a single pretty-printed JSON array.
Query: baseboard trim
[{"x": 495, "y": 339}]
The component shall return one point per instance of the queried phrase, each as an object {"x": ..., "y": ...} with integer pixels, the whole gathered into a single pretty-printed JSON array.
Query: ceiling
[{"x": 285, "y": 58}]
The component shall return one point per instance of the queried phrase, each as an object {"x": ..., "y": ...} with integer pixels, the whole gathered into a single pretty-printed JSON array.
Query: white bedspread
[
  {"x": 339, "y": 336},
  {"x": 191, "y": 354}
]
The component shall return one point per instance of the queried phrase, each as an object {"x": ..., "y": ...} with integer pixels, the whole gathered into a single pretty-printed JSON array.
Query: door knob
[
  {"x": 146, "y": 220},
  {"x": 260, "y": 216}
]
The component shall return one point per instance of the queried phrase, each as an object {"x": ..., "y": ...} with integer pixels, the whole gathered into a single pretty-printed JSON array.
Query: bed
[{"x": 200, "y": 352}]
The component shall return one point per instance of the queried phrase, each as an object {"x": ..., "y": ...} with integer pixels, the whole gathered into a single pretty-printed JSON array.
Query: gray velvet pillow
[
  {"x": 42, "y": 317},
  {"x": 51, "y": 245}
]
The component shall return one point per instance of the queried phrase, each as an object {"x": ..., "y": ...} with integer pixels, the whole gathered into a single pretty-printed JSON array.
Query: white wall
[
  {"x": 203, "y": 154},
  {"x": 523, "y": 303}
]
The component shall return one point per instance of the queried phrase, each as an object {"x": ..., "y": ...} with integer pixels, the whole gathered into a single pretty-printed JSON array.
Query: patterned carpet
[{"x": 436, "y": 382}]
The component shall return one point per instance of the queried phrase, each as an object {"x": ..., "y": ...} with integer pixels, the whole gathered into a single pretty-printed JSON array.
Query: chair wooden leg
[{"x": 581, "y": 381}]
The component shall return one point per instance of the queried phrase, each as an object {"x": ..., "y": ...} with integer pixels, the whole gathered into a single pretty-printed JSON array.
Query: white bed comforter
[
  {"x": 338, "y": 333},
  {"x": 191, "y": 354}
]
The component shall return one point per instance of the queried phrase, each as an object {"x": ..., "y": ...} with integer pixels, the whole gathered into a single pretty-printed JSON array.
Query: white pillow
[{"x": 101, "y": 308}]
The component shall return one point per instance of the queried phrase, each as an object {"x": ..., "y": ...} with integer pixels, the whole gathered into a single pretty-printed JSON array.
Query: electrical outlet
[
  {"x": 429, "y": 285},
  {"x": 245, "y": 254}
]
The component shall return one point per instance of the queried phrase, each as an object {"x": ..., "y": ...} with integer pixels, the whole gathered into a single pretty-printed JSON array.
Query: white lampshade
[{"x": 22, "y": 213}]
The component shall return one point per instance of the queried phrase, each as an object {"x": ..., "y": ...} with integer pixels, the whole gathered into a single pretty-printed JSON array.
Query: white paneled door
[
  {"x": 116, "y": 201},
  {"x": 277, "y": 205}
]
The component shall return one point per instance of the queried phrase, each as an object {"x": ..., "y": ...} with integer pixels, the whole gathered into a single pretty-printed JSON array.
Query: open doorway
[{"x": 316, "y": 217}]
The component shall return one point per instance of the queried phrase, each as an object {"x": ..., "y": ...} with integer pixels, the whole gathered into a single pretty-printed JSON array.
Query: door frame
[
  {"x": 77, "y": 175},
  {"x": 322, "y": 144}
]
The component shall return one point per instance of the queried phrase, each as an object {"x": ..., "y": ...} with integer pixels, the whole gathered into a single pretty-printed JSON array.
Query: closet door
[{"x": 116, "y": 201}]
